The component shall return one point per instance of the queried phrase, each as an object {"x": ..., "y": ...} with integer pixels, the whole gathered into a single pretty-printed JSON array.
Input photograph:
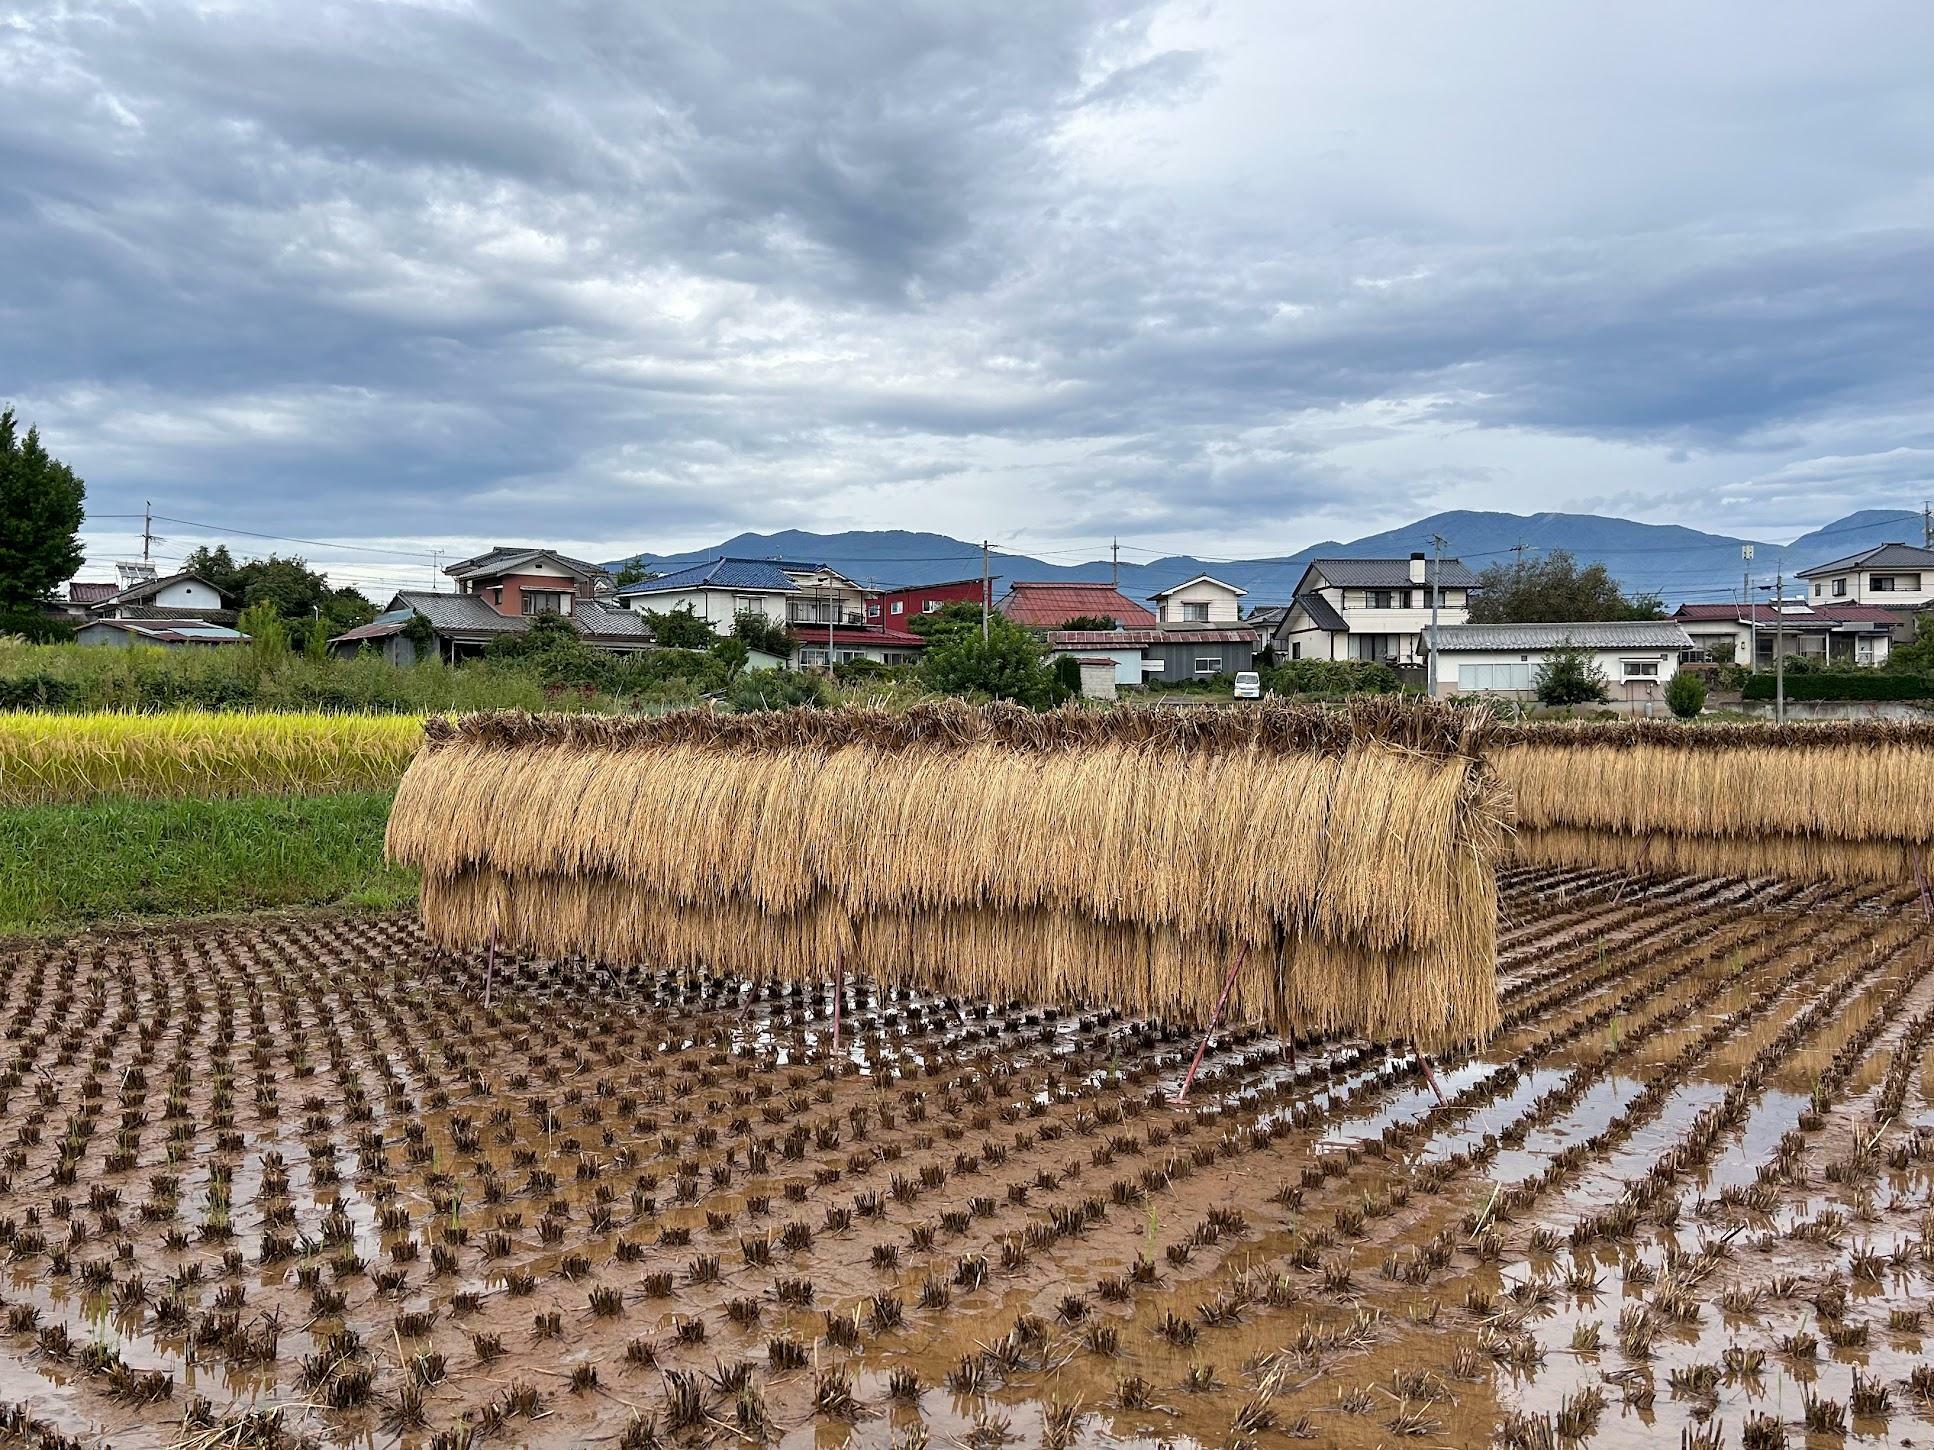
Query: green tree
[
  {"x": 733, "y": 650},
  {"x": 313, "y": 637},
  {"x": 1088, "y": 621},
  {"x": 268, "y": 636},
  {"x": 949, "y": 621},
  {"x": 297, "y": 592},
  {"x": 42, "y": 504},
  {"x": 1067, "y": 676},
  {"x": 1554, "y": 590},
  {"x": 632, "y": 571},
  {"x": 778, "y": 690},
  {"x": 1916, "y": 657},
  {"x": 680, "y": 628},
  {"x": 1686, "y": 694},
  {"x": 763, "y": 632},
  {"x": 552, "y": 649},
  {"x": 1009, "y": 665},
  {"x": 1570, "y": 676}
]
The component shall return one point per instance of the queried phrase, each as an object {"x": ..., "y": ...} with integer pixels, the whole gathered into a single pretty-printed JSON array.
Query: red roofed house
[
  {"x": 1052, "y": 605},
  {"x": 1842, "y": 634},
  {"x": 892, "y": 608}
]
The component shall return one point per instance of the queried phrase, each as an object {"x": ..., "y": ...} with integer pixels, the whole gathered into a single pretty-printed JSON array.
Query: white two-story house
[
  {"x": 1896, "y": 577},
  {"x": 1371, "y": 609},
  {"x": 826, "y": 611},
  {"x": 1198, "y": 603}
]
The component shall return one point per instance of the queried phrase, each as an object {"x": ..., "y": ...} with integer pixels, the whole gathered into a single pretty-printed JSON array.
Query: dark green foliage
[
  {"x": 731, "y": 651},
  {"x": 1009, "y": 665},
  {"x": 1331, "y": 677},
  {"x": 1686, "y": 694},
  {"x": 761, "y": 632},
  {"x": 632, "y": 571},
  {"x": 1917, "y": 656},
  {"x": 1067, "y": 675},
  {"x": 1554, "y": 590},
  {"x": 680, "y": 628},
  {"x": 1570, "y": 676},
  {"x": 1086, "y": 621},
  {"x": 777, "y": 690},
  {"x": 29, "y": 621},
  {"x": 67, "y": 864},
  {"x": 41, "y": 508},
  {"x": 1842, "y": 685},
  {"x": 950, "y": 621},
  {"x": 297, "y": 593}
]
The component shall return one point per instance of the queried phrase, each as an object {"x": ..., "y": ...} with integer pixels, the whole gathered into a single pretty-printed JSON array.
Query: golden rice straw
[
  {"x": 1843, "y": 800},
  {"x": 1116, "y": 856}
]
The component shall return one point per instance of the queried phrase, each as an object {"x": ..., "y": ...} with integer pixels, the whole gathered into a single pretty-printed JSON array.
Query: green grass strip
[{"x": 63, "y": 866}]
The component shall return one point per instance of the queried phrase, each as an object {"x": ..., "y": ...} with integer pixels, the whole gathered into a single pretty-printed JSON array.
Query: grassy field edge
[{"x": 64, "y": 867}]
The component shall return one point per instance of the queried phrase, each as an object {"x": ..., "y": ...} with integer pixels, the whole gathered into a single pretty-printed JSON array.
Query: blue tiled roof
[{"x": 721, "y": 574}]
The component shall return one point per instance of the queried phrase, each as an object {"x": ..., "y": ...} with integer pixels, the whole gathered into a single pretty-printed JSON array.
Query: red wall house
[
  {"x": 892, "y": 608},
  {"x": 505, "y": 593}
]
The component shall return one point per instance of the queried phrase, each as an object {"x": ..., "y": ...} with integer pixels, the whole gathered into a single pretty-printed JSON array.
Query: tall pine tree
[{"x": 41, "y": 510}]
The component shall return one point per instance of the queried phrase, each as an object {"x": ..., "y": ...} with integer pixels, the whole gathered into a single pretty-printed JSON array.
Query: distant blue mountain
[{"x": 1676, "y": 562}]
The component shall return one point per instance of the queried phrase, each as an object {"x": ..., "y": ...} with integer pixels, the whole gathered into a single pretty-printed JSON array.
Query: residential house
[
  {"x": 1051, "y": 605},
  {"x": 894, "y": 607},
  {"x": 1637, "y": 657},
  {"x": 173, "y": 596},
  {"x": 824, "y": 609},
  {"x": 81, "y": 596},
  {"x": 1198, "y": 603},
  {"x": 160, "y": 633},
  {"x": 1827, "y": 631},
  {"x": 1897, "y": 577},
  {"x": 1266, "y": 620},
  {"x": 463, "y": 624},
  {"x": 526, "y": 581},
  {"x": 1144, "y": 655},
  {"x": 1371, "y": 609}
]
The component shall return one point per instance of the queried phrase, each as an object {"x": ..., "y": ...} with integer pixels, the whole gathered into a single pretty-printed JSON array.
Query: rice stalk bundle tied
[
  {"x": 1844, "y": 800},
  {"x": 1119, "y": 856}
]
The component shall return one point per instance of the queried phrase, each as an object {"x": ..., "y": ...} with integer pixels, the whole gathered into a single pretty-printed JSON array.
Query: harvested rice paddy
[{"x": 265, "y": 1180}]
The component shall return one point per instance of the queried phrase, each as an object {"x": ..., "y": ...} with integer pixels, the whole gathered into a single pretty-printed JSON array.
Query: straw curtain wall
[{"x": 1117, "y": 856}]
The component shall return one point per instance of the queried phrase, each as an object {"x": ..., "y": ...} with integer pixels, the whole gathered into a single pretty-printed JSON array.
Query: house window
[
  {"x": 899, "y": 606},
  {"x": 872, "y": 611},
  {"x": 932, "y": 606},
  {"x": 1897, "y": 583},
  {"x": 1816, "y": 588},
  {"x": 546, "y": 601},
  {"x": 1195, "y": 611},
  {"x": 1296, "y": 650},
  {"x": 1379, "y": 598},
  {"x": 1840, "y": 589},
  {"x": 746, "y": 604},
  {"x": 812, "y": 659},
  {"x": 1208, "y": 664},
  {"x": 1640, "y": 669},
  {"x": 1473, "y": 678}
]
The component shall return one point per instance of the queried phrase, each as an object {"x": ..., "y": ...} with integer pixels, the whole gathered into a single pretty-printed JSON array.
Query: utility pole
[
  {"x": 1114, "y": 564},
  {"x": 1752, "y": 611},
  {"x": 986, "y": 592},
  {"x": 436, "y": 569},
  {"x": 1517, "y": 566},
  {"x": 1927, "y": 524},
  {"x": 1436, "y": 571},
  {"x": 1779, "y": 647},
  {"x": 147, "y": 530},
  {"x": 832, "y": 613}
]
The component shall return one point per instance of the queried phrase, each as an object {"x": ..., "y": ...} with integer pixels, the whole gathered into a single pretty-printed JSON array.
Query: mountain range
[{"x": 1678, "y": 563}]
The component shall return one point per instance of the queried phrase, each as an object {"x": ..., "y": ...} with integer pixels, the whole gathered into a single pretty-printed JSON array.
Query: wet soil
[{"x": 305, "y": 1180}]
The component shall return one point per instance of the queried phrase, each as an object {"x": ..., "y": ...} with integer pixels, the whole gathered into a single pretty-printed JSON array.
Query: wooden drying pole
[
  {"x": 490, "y": 966},
  {"x": 1182, "y": 1093}
]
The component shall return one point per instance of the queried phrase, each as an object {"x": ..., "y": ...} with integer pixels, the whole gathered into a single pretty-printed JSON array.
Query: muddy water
[{"x": 1314, "y": 1249}]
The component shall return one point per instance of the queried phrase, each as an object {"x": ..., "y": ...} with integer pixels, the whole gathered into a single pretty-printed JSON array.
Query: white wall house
[
  {"x": 1894, "y": 576},
  {"x": 179, "y": 594},
  {"x": 1371, "y": 609},
  {"x": 1829, "y": 633},
  {"x": 822, "y": 607},
  {"x": 1638, "y": 658},
  {"x": 1198, "y": 602}
]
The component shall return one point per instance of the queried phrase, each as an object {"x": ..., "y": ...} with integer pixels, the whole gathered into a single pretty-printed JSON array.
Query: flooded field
[{"x": 268, "y": 1183}]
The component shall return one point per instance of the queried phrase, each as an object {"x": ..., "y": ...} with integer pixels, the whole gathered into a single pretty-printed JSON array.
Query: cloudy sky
[{"x": 1229, "y": 276}]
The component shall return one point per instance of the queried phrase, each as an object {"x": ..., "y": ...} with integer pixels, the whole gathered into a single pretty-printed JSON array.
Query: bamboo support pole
[{"x": 1242, "y": 954}]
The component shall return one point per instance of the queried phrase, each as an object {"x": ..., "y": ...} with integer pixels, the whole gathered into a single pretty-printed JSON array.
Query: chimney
[{"x": 1416, "y": 568}]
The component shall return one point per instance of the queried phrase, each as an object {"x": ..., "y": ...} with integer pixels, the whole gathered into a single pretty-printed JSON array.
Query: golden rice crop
[
  {"x": 54, "y": 758},
  {"x": 1833, "y": 800},
  {"x": 1119, "y": 856}
]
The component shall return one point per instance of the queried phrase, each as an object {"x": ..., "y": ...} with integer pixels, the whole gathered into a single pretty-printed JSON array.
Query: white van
[{"x": 1248, "y": 685}]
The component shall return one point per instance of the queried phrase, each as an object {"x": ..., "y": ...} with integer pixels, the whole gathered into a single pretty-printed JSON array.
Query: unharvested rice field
[{"x": 280, "y": 1178}]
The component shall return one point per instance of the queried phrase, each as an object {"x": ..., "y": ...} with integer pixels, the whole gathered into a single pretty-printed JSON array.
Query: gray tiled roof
[
  {"x": 501, "y": 559},
  {"x": 1322, "y": 613},
  {"x": 469, "y": 615},
  {"x": 1389, "y": 573},
  {"x": 1881, "y": 556},
  {"x": 1620, "y": 634}
]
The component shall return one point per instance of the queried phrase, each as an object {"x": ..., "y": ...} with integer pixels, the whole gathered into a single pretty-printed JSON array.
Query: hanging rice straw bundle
[
  {"x": 1126, "y": 856},
  {"x": 1832, "y": 800}
]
